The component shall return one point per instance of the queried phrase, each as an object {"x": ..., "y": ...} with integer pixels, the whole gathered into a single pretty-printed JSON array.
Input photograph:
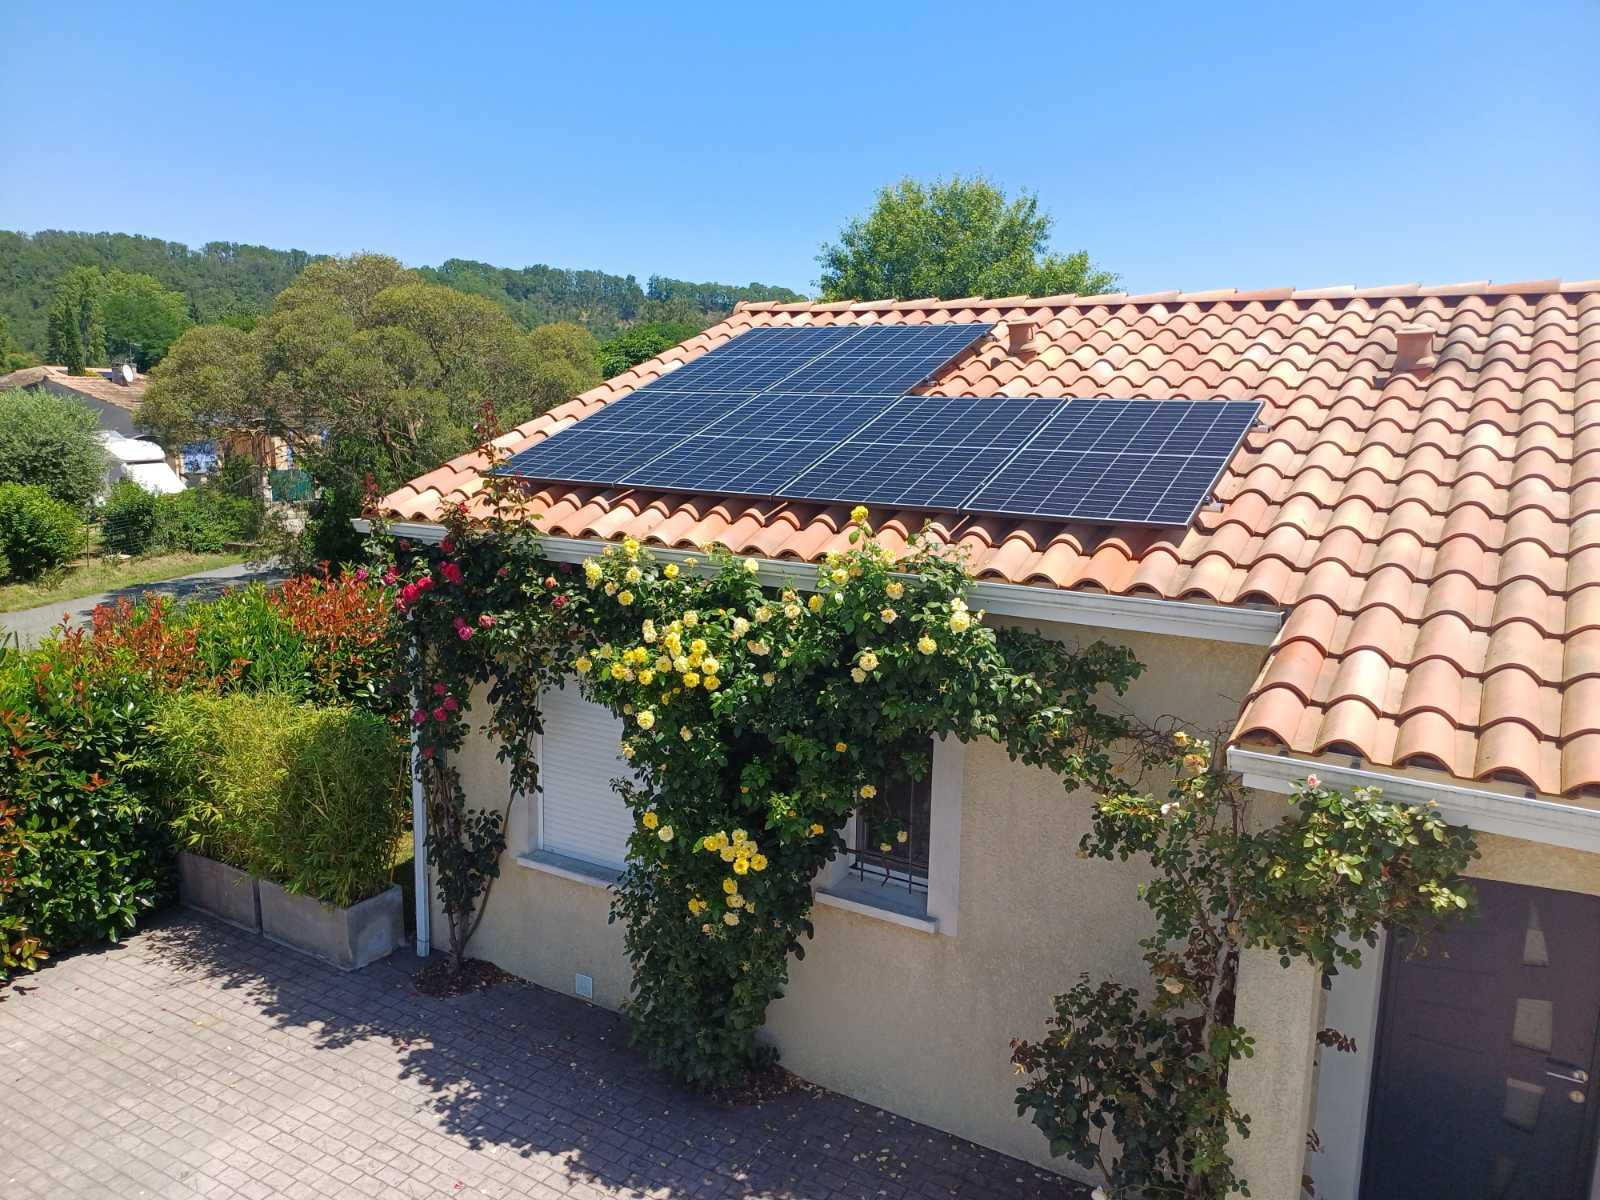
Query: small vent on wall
[{"x": 583, "y": 986}]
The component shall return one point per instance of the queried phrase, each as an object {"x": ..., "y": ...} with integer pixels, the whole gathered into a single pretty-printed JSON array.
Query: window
[
  {"x": 890, "y": 842},
  {"x": 580, "y": 814},
  {"x": 914, "y": 881}
]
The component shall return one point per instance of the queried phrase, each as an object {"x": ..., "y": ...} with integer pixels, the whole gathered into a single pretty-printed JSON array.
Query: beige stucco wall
[{"x": 918, "y": 1023}]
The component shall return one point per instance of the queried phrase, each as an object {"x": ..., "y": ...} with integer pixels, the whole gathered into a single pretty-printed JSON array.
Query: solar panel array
[{"x": 822, "y": 415}]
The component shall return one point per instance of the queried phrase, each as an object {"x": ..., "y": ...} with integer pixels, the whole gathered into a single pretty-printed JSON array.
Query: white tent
[{"x": 142, "y": 461}]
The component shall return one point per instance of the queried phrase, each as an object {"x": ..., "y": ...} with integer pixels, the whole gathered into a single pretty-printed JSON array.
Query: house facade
[{"x": 1398, "y": 584}]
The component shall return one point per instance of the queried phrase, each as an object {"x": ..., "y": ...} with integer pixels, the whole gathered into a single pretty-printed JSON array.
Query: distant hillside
[{"x": 223, "y": 279}]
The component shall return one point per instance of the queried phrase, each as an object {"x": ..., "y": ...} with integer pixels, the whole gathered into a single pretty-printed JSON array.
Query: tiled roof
[
  {"x": 1433, "y": 532},
  {"x": 97, "y": 384}
]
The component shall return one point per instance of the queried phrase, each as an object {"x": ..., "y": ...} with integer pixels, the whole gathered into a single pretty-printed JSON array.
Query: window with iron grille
[{"x": 891, "y": 836}]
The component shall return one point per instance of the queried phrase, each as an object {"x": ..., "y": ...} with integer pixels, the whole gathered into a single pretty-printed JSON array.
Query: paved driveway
[
  {"x": 31, "y": 624},
  {"x": 195, "y": 1060}
]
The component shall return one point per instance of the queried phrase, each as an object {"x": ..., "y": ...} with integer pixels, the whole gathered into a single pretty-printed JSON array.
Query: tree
[
  {"x": 52, "y": 441},
  {"x": 12, "y": 356},
  {"x": 370, "y": 374},
  {"x": 77, "y": 328},
  {"x": 142, "y": 318},
  {"x": 633, "y": 346},
  {"x": 960, "y": 237}
]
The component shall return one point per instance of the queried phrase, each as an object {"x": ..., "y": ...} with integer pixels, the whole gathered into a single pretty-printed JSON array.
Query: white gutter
[
  {"x": 1178, "y": 618},
  {"x": 1526, "y": 817}
]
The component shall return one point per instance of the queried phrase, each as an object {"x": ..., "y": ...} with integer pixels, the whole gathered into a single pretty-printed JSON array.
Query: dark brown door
[{"x": 1482, "y": 1086}]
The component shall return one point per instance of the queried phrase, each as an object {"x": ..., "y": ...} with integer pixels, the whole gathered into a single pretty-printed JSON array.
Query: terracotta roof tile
[{"x": 1433, "y": 532}]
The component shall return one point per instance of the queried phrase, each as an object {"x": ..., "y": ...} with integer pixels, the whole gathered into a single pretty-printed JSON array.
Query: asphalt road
[{"x": 30, "y": 624}]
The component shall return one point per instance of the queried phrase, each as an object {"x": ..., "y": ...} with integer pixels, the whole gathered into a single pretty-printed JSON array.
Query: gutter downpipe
[{"x": 419, "y": 843}]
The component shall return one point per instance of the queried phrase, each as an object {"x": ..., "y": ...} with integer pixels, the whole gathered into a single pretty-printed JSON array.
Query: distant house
[{"x": 115, "y": 394}]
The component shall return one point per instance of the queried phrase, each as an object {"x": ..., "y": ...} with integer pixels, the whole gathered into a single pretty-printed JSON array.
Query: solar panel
[
  {"x": 884, "y": 359},
  {"x": 754, "y": 360},
  {"x": 651, "y": 411},
  {"x": 760, "y": 446},
  {"x": 1125, "y": 462},
  {"x": 925, "y": 452},
  {"x": 586, "y": 453}
]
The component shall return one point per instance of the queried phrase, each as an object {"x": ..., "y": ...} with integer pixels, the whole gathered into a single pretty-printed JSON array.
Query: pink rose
[
  {"x": 549, "y": 581},
  {"x": 464, "y": 632},
  {"x": 1312, "y": 781},
  {"x": 439, "y": 689},
  {"x": 439, "y": 713},
  {"x": 409, "y": 593},
  {"x": 389, "y": 577},
  {"x": 451, "y": 703},
  {"x": 418, "y": 717},
  {"x": 560, "y": 601},
  {"x": 425, "y": 583},
  {"x": 361, "y": 574}
]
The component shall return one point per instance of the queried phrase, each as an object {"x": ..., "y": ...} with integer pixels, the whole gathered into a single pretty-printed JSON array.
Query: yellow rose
[
  {"x": 736, "y": 901},
  {"x": 630, "y": 547},
  {"x": 711, "y": 683},
  {"x": 902, "y": 837},
  {"x": 729, "y": 886},
  {"x": 868, "y": 791},
  {"x": 840, "y": 747},
  {"x": 646, "y": 675},
  {"x": 926, "y": 644},
  {"x": 868, "y": 661},
  {"x": 888, "y": 615},
  {"x": 815, "y": 829},
  {"x": 740, "y": 627},
  {"x": 895, "y": 588},
  {"x": 815, "y": 603},
  {"x": 959, "y": 622},
  {"x": 650, "y": 820},
  {"x": 751, "y": 566},
  {"x": 741, "y": 866},
  {"x": 763, "y": 614},
  {"x": 582, "y": 665},
  {"x": 838, "y": 575},
  {"x": 726, "y": 852},
  {"x": 647, "y": 719},
  {"x": 691, "y": 679},
  {"x": 706, "y": 928},
  {"x": 649, "y": 631},
  {"x": 858, "y": 674},
  {"x": 739, "y": 835},
  {"x": 685, "y": 733},
  {"x": 791, "y": 611},
  {"x": 670, "y": 570},
  {"x": 632, "y": 575},
  {"x": 858, "y": 514},
  {"x": 730, "y": 918},
  {"x": 709, "y": 664},
  {"x": 691, "y": 619},
  {"x": 665, "y": 833},
  {"x": 618, "y": 670},
  {"x": 769, "y": 679},
  {"x": 758, "y": 862}
]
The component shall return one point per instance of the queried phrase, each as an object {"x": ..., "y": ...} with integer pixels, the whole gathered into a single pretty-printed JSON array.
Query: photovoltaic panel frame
[
  {"x": 925, "y": 452},
  {"x": 1122, "y": 462}
]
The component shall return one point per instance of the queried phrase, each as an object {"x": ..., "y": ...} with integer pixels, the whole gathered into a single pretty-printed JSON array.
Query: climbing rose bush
[{"x": 757, "y": 719}]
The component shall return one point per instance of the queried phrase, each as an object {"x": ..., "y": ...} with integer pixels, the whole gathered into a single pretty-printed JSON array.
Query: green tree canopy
[
  {"x": 77, "y": 326},
  {"x": 950, "y": 238},
  {"x": 52, "y": 441},
  {"x": 633, "y": 346},
  {"x": 370, "y": 374},
  {"x": 142, "y": 318}
]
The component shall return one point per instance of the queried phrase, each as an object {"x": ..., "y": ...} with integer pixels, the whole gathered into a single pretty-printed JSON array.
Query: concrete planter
[
  {"x": 348, "y": 938},
  {"x": 225, "y": 892}
]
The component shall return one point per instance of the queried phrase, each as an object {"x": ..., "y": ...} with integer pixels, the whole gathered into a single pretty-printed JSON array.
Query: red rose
[
  {"x": 439, "y": 714},
  {"x": 560, "y": 601},
  {"x": 451, "y": 703},
  {"x": 425, "y": 583},
  {"x": 439, "y": 689}
]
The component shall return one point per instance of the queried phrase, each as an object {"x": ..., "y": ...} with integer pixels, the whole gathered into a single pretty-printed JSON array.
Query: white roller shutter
[{"x": 581, "y": 816}]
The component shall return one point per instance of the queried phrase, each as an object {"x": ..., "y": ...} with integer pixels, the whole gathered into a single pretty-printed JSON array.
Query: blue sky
[{"x": 1190, "y": 146}]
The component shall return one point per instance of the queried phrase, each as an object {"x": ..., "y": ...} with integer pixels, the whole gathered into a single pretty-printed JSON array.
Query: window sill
[
  {"x": 895, "y": 906},
  {"x": 575, "y": 869}
]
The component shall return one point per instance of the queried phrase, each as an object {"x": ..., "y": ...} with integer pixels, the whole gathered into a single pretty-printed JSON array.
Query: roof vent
[
  {"x": 1413, "y": 348},
  {"x": 1019, "y": 335}
]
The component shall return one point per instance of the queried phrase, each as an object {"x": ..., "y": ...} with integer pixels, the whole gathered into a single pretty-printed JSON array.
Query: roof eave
[{"x": 1100, "y": 610}]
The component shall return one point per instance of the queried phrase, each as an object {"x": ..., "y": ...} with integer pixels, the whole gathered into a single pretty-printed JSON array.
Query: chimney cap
[
  {"x": 1414, "y": 347},
  {"x": 1019, "y": 335}
]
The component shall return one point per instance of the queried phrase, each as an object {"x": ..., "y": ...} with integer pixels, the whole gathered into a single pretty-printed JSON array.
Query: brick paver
[{"x": 198, "y": 1061}]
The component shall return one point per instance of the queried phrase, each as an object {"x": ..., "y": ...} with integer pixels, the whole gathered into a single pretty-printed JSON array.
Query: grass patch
[{"x": 108, "y": 575}]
